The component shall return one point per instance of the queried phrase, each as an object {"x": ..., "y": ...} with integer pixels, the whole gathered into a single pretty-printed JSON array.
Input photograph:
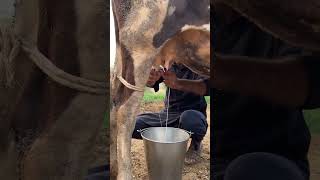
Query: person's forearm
[
  {"x": 282, "y": 81},
  {"x": 193, "y": 86}
]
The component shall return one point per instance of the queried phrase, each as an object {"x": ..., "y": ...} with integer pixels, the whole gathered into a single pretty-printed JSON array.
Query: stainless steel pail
[{"x": 165, "y": 151}]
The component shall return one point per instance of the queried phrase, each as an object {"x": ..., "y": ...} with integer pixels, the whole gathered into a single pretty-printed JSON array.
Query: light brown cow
[
  {"x": 296, "y": 22},
  {"x": 150, "y": 33}
]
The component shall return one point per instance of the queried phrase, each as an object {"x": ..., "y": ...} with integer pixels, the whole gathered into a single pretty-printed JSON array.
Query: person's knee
[
  {"x": 191, "y": 118},
  {"x": 262, "y": 166},
  {"x": 195, "y": 122}
]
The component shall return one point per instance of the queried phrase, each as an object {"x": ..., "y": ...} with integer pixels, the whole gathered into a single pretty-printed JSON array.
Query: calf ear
[{"x": 190, "y": 47}]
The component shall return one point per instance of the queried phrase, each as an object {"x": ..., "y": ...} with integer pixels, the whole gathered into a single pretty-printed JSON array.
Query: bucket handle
[
  {"x": 142, "y": 130},
  {"x": 191, "y": 133}
]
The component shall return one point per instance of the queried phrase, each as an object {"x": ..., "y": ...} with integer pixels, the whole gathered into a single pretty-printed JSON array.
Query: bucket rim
[{"x": 145, "y": 138}]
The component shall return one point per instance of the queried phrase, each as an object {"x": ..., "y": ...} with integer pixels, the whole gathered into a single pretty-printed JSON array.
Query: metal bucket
[{"x": 165, "y": 152}]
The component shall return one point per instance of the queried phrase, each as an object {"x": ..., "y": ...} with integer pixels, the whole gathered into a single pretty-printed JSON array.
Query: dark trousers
[
  {"x": 258, "y": 166},
  {"x": 190, "y": 120}
]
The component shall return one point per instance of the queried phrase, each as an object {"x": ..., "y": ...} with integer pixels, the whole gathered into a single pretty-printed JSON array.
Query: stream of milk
[{"x": 167, "y": 113}]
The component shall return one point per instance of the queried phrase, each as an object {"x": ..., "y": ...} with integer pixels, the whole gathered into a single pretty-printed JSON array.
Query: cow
[
  {"x": 53, "y": 89},
  {"x": 151, "y": 33}
]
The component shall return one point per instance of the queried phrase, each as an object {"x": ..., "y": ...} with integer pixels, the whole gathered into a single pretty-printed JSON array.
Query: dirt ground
[{"x": 198, "y": 171}]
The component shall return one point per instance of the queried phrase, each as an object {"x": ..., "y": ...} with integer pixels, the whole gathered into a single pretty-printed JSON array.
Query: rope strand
[{"x": 130, "y": 86}]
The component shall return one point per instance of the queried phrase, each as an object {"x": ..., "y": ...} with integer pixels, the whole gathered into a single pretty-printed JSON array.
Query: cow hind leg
[{"x": 124, "y": 116}]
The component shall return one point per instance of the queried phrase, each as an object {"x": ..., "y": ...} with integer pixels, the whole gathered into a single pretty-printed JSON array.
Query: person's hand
[
  {"x": 153, "y": 77},
  {"x": 170, "y": 80}
]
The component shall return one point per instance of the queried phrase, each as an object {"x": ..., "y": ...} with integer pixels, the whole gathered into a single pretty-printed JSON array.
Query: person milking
[{"x": 186, "y": 107}]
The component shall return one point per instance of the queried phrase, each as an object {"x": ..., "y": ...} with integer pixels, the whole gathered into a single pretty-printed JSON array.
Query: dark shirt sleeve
[
  {"x": 312, "y": 65},
  {"x": 206, "y": 81}
]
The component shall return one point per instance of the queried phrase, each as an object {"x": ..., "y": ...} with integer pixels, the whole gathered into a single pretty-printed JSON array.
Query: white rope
[
  {"x": 47, "y": 67},
  {"x": 62, "y": 77},
  {"x": 11, "y": 46},
  {"x": 130, "y": 86}
]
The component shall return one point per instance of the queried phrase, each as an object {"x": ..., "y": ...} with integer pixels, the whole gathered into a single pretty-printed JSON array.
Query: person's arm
[
  {"x": 193, "y": 86},
  {"x": 282, "y": 81}
]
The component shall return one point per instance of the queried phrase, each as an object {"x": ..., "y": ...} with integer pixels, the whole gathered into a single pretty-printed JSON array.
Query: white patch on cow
[{"x": 171, "y": 10}]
